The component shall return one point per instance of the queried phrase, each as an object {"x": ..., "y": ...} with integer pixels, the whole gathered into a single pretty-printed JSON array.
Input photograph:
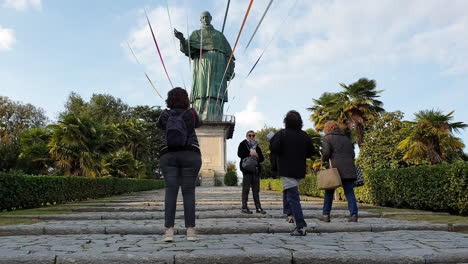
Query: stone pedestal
[{"x": 212, "y": 138}]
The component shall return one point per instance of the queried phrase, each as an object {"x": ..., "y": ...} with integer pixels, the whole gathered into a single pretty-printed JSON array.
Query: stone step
[
  {"x": 200, "y": 215},
  {"x": 199, "y": 208},
  {"x": 217, "y": 226},
  {"x": 417, "y": 247},
  {"x": 198, "y": 202}
]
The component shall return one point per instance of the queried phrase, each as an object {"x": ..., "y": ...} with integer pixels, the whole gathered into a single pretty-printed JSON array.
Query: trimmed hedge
[
  {"x": 436, "y": 188},
  {"x": 25, "y": 191}
]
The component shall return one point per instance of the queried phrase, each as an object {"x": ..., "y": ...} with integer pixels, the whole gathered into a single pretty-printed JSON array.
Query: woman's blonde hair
[{"x": 330, "y": 126}]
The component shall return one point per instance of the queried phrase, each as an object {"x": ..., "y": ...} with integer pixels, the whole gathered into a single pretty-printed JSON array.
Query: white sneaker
[
  {"x": 169, "y": 235},
  {"x": 191, "y": 234}
]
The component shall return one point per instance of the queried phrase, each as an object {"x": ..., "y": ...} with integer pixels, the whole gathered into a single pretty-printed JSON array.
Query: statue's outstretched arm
[{"x": 183, "y": 42}]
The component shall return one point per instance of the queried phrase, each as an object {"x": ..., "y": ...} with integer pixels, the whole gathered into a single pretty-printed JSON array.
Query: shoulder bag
[{"x": 329, "y": 179}]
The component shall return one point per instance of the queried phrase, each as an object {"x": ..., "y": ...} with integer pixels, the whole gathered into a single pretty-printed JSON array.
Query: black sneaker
[
  {"x": 353, "y": 218},
  {"x": 260, "y": 211},
  {"x": 246, "y": 211},
  {"x": 299, "y": 232}
]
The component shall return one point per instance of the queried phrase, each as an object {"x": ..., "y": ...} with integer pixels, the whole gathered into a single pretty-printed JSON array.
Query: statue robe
[{"x": 209, "y": 87}]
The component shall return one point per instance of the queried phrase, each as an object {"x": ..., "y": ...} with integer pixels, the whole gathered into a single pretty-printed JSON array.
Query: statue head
[{"x": 205, "y": 18}]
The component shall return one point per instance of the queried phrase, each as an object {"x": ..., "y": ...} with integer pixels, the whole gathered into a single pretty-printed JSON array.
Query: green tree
[
  {"x": 121, "y": 164},
  {"x": 15, "y": 117},
  {"x": 315, "y": 162},
  {"x": 361, "y": 104},
  {"x": 431, "y": 137},
  {"x": 379, "y": 150},
  {"x": 103, "y": 108},
  {"x": 131, "y": 136},
  {"x": 35, "y": 157},
  {"x": 74, "y": 144},
  {"x": 330, "y": 106},
  {"x": 351, "y": 108},
  {"x": 264, "y": 144},
  {"x": 153, "y": 136}
]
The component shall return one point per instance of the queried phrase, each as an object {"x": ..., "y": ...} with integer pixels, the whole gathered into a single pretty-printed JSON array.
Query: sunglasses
[{"x": 250, "y": 135}]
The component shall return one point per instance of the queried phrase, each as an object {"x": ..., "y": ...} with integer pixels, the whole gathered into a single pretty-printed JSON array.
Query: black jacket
[
  {"x": 244, "y": 152},
  {"x": 338, "y": 148},
  {"x": 291, "y": 148},
  {"x": 192, "y": 121}
]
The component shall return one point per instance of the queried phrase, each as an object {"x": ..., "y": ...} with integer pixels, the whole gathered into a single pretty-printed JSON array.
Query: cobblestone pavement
[{"x": 128, "y": 229}]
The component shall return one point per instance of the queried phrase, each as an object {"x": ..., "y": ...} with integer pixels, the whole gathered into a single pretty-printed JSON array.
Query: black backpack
[{"x": 176, "y": 130}]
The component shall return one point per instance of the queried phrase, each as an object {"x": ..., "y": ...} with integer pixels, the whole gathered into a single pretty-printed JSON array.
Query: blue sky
[{"x": 417, "y": 51}]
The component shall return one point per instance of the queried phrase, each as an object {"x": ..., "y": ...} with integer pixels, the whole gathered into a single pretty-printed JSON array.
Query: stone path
[{"x": 128, "y": 229}]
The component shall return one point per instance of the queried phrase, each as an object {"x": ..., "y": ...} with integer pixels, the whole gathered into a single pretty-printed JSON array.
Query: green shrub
[
  {"x": 230, "y": 179},
  {"x": 436, "y": 188},
  {"x": 218, "y": 182},
  {"x": 25, "y": 191}
]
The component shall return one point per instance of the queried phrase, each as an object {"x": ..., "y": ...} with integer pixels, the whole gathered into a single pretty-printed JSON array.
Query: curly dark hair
[
  {"x": 177, "y": 98},
  {"x": 293, "y": 120}
]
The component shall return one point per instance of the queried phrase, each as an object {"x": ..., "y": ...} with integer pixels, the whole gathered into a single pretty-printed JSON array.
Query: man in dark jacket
[{"x": 249, "y": 148}]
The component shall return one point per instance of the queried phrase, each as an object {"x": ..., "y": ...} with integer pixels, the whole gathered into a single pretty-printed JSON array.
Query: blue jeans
[
  {"x": 349, "y": 192},
  {"x": 180, "y": 169},
  {"x": 292, "y": 206}
]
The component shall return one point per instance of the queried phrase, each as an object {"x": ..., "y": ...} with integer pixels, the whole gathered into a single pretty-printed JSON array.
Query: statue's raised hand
[{"x": 179, "y": 35}]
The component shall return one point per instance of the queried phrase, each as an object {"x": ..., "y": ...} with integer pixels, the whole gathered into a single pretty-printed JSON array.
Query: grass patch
[
  {"x": 35, "y": 212},
  {"x": 17, "y": 221},
  {"x": 439, "y": 219}
]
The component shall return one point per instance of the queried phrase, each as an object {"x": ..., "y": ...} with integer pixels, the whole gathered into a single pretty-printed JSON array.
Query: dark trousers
[
  {"x": 180, "y": 169},
  {"x": 349, "y": 192},
  {"x": 251, "y": 180},
  {"x": 292, "y": 206}
]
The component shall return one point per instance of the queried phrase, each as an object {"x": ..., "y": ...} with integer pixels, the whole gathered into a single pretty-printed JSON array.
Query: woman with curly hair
[
  {"x": 291, "y": 147},
  {"x": 339, "y": 151},
  {"x": 180, "y": 159}
]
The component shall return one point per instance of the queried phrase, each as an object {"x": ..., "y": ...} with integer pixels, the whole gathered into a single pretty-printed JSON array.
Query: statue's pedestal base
[{"x": 212, "y": 139}]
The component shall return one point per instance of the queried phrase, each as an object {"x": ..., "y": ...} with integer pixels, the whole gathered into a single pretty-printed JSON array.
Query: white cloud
[
  {"x": 321, "y": 40},
  {"x": 143, "y": 45},
  {"x": 7, "y": 38},
  {"x": 249, "y": 118},
  {"x": 22, "y": 5}
]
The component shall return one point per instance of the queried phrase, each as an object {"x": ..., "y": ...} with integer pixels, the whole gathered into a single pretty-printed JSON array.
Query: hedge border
[
  {"x": 436, "y": 188},
  {"x": 26, "y": 191}
]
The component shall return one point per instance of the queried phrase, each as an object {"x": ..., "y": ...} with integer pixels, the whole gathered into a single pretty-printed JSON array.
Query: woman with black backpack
[
  {"x": 250, "y": 156},
  {"x": 180, "y": 160}
]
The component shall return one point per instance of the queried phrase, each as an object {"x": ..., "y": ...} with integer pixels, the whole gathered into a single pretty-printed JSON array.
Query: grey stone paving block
[
  {"x": 116, "y": 259},
  {"x": 342, "y": 227},
  {"x": 233, "y": 229},
  {"x": 19, "y": 230},
  {"x": 453, "y": 257},
  {"x": 460, "y": 227},
  {"x": 235, "y": 256},
  {"x": 354, "y": 257},
  {"x": 411, "y": 226},
  {"x": 70, "y": 230},
  {"x": 31, "y": 259},
  {"x": 135, "y": 230}
]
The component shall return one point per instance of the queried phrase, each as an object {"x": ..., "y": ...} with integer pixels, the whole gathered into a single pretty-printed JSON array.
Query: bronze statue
[{"x": 210, "y": 51}]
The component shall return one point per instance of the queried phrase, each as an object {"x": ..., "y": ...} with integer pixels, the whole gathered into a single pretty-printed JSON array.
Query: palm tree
[
  {"x": 74, "y": 144},
  {"x": 328, "y": 107},
  {"x": 361, "y": 104},
  {"x": 431, "y": 136},
  {"x": 351, "y": 108}
]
